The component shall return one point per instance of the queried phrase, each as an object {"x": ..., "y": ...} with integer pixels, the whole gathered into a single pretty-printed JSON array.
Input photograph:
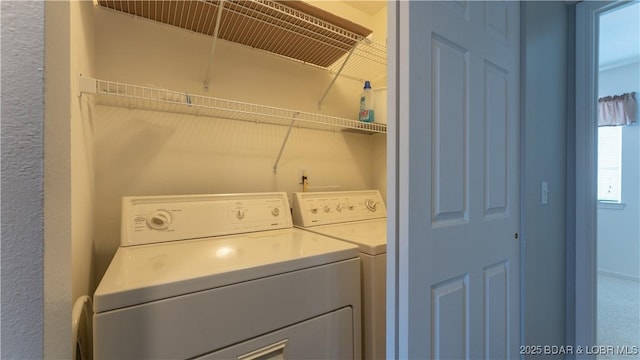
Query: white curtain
[{"x": 618, "y": 110}]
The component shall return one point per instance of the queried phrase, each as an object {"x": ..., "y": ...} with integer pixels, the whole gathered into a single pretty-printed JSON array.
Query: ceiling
[
  {"x": 620, "y": 36},
  {"x": 368, "y": 6}
]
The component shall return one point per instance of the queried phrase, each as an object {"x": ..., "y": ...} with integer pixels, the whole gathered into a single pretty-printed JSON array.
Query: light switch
[{"x": 544, "y": 193}]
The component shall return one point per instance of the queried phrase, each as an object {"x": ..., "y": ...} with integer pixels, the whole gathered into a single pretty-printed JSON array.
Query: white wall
[
  {"x": 619, "y": 228},
  {"x": 144, "y": 152},
  {"x": 22, "y": 301},
  {"x": 57, "y": 190},
  {"x": 82, "y": 61},
  {"x": 69, "y": 171},
  {"x": 545, "y": 27}
]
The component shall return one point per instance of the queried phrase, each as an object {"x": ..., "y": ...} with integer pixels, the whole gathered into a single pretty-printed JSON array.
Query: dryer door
[{"x": 328, "y": 336}]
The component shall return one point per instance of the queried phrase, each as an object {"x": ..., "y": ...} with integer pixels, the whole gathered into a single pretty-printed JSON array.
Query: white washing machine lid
[
  {"x": 369, "y": 235},
  {"x": 146, "y": 273}
]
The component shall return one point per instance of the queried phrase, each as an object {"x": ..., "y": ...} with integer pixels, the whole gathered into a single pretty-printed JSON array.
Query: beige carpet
[{"x": 618, "y": 315}]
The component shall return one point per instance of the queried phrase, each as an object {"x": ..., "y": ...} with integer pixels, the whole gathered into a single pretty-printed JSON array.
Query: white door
[{"x": 456, "y": 187}]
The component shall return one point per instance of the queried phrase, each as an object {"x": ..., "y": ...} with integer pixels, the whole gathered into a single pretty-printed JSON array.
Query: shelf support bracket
[
  {"x": 213, "y": 46},
  {"x": 335, "y": 77},
  {"x": 284, "y": 142},
  {"x": 86, "y": 85}
]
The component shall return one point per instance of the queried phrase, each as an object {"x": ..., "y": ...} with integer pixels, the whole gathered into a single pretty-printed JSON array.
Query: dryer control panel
[
  {"x": 321, "y": 208},
  {"x": 153, "y": 219}
]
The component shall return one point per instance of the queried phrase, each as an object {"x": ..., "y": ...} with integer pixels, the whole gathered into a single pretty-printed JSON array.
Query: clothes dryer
[
  {"x": 360, "y": 218},
  {"x": 225, "y": 276}
]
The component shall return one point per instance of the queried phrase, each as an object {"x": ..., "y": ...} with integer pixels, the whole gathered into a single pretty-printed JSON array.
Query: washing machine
[
  {"x": 225, "y": 277},
  {"x": 360, "y": 218}
]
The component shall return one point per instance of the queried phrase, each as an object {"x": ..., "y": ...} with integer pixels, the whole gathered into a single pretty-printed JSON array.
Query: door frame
[
  {"x": 393, "y": 246},
  {"x": 582, "y": 223}
]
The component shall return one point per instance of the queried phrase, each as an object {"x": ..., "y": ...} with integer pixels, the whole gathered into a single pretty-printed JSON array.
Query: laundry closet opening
[
  {"x": 167, "y": 108},
  {"x": 158, "y": 148}
]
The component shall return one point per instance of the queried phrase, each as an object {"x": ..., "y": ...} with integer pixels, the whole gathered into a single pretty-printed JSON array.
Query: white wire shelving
[
  {"x": 292, "y": 29},
  {"x": 368, "y": 62},
  {"x": 147, "y": 98}
]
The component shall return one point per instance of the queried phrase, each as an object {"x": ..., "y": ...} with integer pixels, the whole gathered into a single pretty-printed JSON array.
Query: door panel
[
  {"x": 450, "y": 304},
  {"x": 449, "y": 129},
  {"x": 497, "y": 21},
  {"x": 458, "y": 180},
  {"x": 496, "y": 138},
  {"x": 496, "y": 310}
]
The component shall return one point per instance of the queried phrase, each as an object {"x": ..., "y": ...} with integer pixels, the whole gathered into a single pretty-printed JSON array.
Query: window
[{"x": 609, "y": 163}]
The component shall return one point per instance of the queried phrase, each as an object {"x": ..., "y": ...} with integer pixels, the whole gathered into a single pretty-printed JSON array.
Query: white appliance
[
  {"x": 225, "y": 276},
  {"x": 358, "y": 217}
]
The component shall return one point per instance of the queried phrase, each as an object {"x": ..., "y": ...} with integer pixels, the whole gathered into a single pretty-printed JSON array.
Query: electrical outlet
[{"x": 302, "y": 172}]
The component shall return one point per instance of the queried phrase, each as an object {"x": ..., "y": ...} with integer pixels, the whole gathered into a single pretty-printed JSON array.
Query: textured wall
[{"x": 22, "y": 180}]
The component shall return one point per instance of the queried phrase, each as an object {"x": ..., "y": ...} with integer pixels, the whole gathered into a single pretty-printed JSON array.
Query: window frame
[{"x": 614, "y": 151}]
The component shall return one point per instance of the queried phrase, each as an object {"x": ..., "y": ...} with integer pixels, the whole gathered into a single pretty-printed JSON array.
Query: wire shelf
[
  {"x": 368, "y": 62},
  {"x": 147, "y": 98},
  {"x": 291, "y": 29}
]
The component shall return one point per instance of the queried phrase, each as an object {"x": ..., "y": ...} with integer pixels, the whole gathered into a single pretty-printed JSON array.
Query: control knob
[
  {"x": 159, "y": 220},
  {"x": 370, "y": 204}
]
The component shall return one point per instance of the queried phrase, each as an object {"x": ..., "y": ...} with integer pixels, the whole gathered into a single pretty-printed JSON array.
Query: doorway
[
  {"x": 584, "y": 253},
  {"x": 618, "y": 211}
]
